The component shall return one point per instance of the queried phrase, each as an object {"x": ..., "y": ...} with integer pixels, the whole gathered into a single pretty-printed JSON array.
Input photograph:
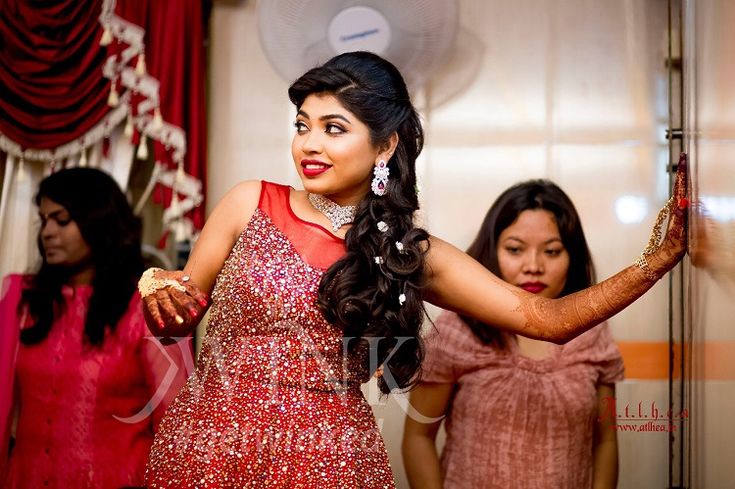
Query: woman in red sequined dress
[{"x": 310, "y": 296}]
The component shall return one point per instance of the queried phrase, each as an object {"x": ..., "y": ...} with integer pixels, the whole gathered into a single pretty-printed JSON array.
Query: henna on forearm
[{"x": 562, "y": 319}]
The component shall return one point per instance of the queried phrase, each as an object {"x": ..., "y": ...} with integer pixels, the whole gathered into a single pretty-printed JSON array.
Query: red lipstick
[
  {"x": 313, "y": 168},
  {"x": 533, "y": 287}
]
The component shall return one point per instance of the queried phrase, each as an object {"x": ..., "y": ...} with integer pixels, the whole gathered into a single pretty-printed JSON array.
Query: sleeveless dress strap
[{"x": 315, "y": 244}]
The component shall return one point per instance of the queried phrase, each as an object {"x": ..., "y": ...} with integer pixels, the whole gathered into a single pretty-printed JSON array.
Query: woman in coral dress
[
  {"x": 519, "y": 413},
  {"x": 314, "y": 290}
]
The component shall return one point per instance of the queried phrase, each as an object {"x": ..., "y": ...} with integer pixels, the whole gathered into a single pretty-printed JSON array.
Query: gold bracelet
[
  {"x": 642, "y": 263},
  {"x": 149, "y": 284},
  {"x": 654, "y": 242}
]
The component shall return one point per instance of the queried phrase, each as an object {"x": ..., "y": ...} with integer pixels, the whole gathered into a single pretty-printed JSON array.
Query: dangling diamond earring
[{"x": 380, "y": 180}]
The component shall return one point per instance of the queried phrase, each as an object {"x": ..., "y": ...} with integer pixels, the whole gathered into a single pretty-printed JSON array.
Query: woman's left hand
[{"x": 674, "y": 245}]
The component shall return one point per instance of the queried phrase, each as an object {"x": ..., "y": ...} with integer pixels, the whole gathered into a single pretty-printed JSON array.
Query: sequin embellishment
[{"x": 273, "y": 402}]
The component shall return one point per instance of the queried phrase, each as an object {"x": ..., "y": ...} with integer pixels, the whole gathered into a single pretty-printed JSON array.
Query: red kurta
[{"x": 85, "y": 412}]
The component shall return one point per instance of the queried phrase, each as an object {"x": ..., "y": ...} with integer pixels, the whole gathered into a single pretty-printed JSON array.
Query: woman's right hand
[{"x": 172, "y": 304}]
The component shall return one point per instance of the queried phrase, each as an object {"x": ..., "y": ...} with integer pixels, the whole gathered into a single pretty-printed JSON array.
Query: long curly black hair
[
  {"x": 378, "y": 305},
  {"x": 107, "y": 224},
  {"x": 531, "y": 195}
]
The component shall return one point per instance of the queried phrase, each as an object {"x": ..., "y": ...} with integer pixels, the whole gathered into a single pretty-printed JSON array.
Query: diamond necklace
[{"x": 338, "y": 215}]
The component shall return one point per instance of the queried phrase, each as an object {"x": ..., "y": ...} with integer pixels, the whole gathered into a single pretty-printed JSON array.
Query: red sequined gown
[{"x": 273, "y": 402}]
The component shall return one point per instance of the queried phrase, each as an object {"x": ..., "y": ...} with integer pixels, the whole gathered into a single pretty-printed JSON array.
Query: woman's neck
[{"x": 81, "y": 277}]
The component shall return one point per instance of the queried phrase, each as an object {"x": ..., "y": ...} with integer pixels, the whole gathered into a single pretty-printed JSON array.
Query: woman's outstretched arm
[{"x": 459, "y": 283}]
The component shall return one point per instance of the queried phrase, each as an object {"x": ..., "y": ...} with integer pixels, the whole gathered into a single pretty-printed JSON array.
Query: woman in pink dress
[
  {"x": 312, "y": 290},
  {"x": 8, "y": 347},
  {"x": 92, "y": 383},
  {"x": 519, "y": 412}
]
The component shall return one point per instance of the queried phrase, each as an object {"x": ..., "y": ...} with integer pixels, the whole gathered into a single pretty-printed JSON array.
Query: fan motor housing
[{"x": 359, "y": 28}]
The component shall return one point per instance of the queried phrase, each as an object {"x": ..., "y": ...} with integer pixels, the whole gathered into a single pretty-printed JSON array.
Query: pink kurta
[
  {"x": 515, "y": 422},
  {"x": 8, "y": 348},
  {"x": 85, "y": 412}
]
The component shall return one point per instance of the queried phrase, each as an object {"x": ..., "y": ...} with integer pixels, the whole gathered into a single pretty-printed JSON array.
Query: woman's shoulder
[
  {"x": 244, "y": 193},
  {"x": 593, "y": 341},
  {"x": 453, "y": 350},
  {"x": 268, "y": 185},
  {"x": 17, "y": 278},
  {"x": 250, "y": 188},
  {"x": 450, "y": 330},
  {"x": 10, "y": 295},
  {"x": 247, "y": 196},
  {"x": 13, "y": 281},
  {"x": 236, "y": 207},
  {"x": 449, "y": 321},
  {"x": 593, "y": 335}
]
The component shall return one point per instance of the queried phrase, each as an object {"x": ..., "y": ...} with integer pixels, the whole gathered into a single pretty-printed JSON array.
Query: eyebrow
[
  {"x": 51, "y": 214},
  {"x": 548, "y": 241},
  {"x": 326, "y": 117}
]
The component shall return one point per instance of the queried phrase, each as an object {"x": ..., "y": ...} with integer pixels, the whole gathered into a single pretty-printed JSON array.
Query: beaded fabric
[{"x": 273, "y": 402}]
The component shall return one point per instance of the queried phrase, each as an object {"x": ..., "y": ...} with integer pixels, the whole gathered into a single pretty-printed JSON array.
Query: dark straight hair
[
  {"x": 113, "y": 233},
  {"x": 531, "y": 195}
]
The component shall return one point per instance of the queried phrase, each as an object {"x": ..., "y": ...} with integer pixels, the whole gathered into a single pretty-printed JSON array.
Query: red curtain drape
[
  {"x": 56, "y": 78},
  {"x": 51, "y": 78}
]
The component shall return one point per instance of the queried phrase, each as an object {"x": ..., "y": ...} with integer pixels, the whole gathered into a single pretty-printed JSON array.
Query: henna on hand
[
  {"x": 172, "y": 307},
  {"x": 562, "y": 319},
  {"x": 674, "y": 245}
]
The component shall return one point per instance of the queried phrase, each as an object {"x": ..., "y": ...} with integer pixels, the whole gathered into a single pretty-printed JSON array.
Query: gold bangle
[
  {"x": 149, "y": 284},
  {"x": 642, "y": 263}
]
